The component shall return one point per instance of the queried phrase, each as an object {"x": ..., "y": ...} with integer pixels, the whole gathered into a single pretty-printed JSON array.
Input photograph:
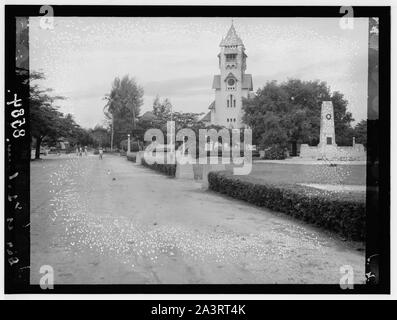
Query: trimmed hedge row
[
  {"x": 131, "y": 157},
  {"x": 274, "y": 153},
  {"x": 333, "y": 211},
  {"x": 168, "y": 169}
]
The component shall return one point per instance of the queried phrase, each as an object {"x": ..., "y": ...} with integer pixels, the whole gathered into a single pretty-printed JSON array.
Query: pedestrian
[
  {"x": 77, "y": 151},
  {"x": 85, "y": 151},
  {"x": 100, "y": 153},
  {"x": 80, "y": 151}
]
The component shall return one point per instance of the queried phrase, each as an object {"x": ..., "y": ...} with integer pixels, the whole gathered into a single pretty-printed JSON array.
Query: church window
[
  {"x": 329, "y": 140},
  {"x": 228, "y": 103},
  {"x": 234, "y": 102},
  {"x": 230, "y": 82},
  {"x": 234, "y": 120}
]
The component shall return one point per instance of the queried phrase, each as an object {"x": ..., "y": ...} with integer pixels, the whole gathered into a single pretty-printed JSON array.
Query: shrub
[
  {"x": 168, "y": 169},
  {"x": 274, "y": 153},
  {"x": 337, "y": 212},
  {"x": 131, "y": 157},
  {"x": 135, "y": 146},
  {"x": 255, "y": 154}
]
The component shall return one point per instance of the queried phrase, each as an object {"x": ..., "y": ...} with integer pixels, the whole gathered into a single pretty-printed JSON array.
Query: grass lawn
[{"x": 304, "y": 173}]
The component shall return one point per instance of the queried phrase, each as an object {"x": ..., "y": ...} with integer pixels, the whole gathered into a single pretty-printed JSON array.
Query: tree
[
  {"x": 360, "y": 132},
  {"x": 74, "y": 133},
  {"x": 100, "y": 136},
  {"x": 290, "y": 112},
  {"x": 45, "y": 119},
  {"x": 123, "y": 107},
  {"x": 162, "y": 111}
]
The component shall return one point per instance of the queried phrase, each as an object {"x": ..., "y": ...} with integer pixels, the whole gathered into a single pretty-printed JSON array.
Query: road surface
[{"x": 111, "y": 221}]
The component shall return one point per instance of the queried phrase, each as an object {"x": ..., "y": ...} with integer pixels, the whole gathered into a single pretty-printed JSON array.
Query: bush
[
  {"x": 131, "y": 157},
  {"x": 334, "y": 211},
  {"x": 274, "y": 153},
  {"x": 255, "y": 154},
  {"x": 135, "y": 146},
  {"x": 168, "y": 169}
]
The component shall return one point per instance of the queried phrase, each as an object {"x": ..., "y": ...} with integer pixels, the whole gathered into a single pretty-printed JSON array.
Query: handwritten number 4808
[{"x": 17, "y": 103}]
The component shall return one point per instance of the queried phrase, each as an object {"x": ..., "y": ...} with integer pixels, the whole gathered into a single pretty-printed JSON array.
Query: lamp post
[
  {"x": 129, "y": 144},
  {"x": 111, "y": 138}
]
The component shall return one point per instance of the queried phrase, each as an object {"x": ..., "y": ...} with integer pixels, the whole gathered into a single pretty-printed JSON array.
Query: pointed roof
[
  {"x": 148, "y": 116},
  {"x": 230, "y": 75},
  {"x": 216, "y": 83},
  {"x": 232, "y": 39},
  {"x": 207, "y": 117}
]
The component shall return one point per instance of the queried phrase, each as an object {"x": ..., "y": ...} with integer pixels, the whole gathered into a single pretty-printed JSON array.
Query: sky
[{"x": 176, "y": 58}]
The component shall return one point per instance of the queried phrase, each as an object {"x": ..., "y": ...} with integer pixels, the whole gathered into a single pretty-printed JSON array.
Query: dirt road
[{"x": 111, "y": 221}]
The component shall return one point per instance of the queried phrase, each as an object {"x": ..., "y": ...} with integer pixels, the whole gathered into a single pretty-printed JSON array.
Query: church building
[{"x": 231, "y": 85}]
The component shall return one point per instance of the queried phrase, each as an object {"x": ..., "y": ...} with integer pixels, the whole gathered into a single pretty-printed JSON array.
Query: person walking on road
[
  {"x": 100, "y": 153},
  {"x": 85, "y": 151}
]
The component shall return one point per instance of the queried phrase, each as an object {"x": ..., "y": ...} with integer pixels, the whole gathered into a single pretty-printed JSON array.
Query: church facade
[{"x": 231, "y": 85}]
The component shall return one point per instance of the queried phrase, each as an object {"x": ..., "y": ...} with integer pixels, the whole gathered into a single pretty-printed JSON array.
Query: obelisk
[{"x": 327, "y": 125}]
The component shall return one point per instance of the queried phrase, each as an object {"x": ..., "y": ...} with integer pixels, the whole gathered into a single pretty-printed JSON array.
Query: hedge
[
  {"x": 274, "y": 153},
  {"x": 168, "y": 169},
  {"x": 337, "y": 212},
  {"x": 131, "y": 157}
]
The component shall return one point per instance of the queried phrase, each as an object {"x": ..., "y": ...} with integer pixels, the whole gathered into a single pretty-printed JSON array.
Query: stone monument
[{"x": 327, "y": 149}]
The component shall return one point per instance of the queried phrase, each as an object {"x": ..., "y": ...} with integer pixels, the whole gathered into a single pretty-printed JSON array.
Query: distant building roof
[
  {"x": 251, "y": 95},
  {"x": 207, "y": 117},
  {"x": 216, "y": 83},
  {"x": 247, "y": 82},
  {"x": 148, "y": 116},
  {"x": 232, "y": 39}
]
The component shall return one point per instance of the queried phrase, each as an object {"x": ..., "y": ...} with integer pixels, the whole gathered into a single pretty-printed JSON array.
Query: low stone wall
[
  {"x": 187, "y": 169},
  {"x": 357, "y": 152},
  {"x": 308, "y": 152},
  {"x": 333, "y": 152}
]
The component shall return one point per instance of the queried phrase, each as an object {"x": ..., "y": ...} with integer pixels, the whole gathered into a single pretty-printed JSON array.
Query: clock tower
[{"x": 232, "y": 84}]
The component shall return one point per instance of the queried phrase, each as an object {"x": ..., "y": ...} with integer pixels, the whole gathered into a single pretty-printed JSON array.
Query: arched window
[
  {"x": 228, "y": 103},
  {"x": 234, "y": 119},
  {"x": 234, "y": 102},
  {"x": 227, "y": 119}
]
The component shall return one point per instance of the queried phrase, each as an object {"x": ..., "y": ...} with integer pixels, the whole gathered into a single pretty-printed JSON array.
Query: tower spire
[{"x": 231, "y": 39}]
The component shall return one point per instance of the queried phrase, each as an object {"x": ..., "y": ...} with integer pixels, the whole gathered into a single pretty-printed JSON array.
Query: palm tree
[
  {"x": 123, "y": 101},
  {"x": 112, "y": 106}
]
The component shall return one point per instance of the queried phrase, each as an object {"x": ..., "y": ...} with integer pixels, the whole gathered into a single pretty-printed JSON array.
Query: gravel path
[{"x": 114, "y": 222}]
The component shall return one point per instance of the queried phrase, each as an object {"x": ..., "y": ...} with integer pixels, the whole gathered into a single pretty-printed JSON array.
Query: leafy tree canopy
[
  {"x": 291, "y": 111},
  {"x": 123, "y": 106}
]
